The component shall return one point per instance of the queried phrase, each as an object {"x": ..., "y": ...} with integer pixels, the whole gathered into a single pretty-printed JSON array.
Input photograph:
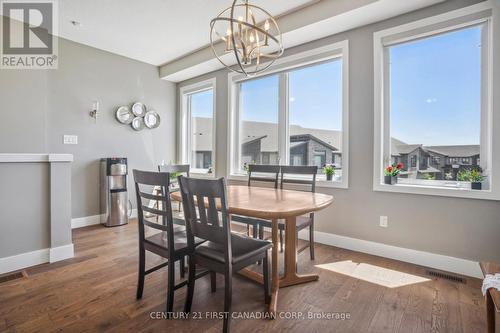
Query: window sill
[
  {"x": 319, "y": 183},
  {"x": 436, "y": 190},
  {"x": 200, "y": 173}
]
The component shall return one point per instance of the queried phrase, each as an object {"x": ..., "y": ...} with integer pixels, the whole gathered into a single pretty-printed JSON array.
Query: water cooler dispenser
[{"x": 113, "y": 191}]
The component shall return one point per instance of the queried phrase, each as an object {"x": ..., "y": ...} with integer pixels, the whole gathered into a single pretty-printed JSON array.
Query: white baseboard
[
  {"x": 437, "y": 261},
  {"x": 93, "y": 220},
  {"x": 61, "y": 252},
  {"x": 85, "y": 221},
  {"x": 33, "y": 258},
  {"x": 23, "y": 260}
]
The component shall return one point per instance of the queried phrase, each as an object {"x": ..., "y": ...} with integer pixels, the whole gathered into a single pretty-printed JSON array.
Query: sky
[
  {"x": 435, "y": 92},
  {"x": 435, "y": 89}
]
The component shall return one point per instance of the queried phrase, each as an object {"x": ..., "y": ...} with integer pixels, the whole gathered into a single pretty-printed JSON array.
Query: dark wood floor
[{"x": 95, "y": 292}]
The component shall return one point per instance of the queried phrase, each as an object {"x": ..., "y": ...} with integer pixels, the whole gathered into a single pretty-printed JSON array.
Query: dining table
[{"x": 275, "y": 205}]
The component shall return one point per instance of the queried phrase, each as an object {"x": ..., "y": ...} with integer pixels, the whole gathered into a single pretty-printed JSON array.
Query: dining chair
[
  {"x": 223, "y": 252},
  {"x": 170, "y": 242},
  {"x": 265, "y": 173},
  {"x": 307, "y": 176}
]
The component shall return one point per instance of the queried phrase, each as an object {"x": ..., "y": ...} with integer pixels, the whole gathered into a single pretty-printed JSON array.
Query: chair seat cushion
[{"x": 242, "y": 248}]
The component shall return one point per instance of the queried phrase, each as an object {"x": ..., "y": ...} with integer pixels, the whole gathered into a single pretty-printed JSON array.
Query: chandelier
[{"x": 246, "y": 35}]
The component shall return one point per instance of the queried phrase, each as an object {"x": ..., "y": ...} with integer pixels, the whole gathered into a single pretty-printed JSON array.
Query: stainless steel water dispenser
[{"x": 114, "y": 195}]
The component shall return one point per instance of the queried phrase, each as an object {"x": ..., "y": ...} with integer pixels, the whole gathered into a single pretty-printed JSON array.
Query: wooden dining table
[{"x": 276, "y": 204}]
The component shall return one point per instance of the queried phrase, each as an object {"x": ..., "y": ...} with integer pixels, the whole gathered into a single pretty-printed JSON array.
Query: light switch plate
[
  {"x": 384, "y": 223},
  {"x": 70, "y": 139}
]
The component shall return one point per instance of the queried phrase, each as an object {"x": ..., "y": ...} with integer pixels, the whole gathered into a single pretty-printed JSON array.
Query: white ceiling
[{"x": 152, "y": 31}]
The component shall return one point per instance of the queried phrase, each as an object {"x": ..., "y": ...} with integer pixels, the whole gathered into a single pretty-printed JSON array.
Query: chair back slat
[
  {"x": 272, "y": 170},
  {"x": 203, "y": 222},
  {"x": 311, "y": 171},
  {"x": 200, "y": 200},
  {"x": 150, "y": 180},
  {"x": 212, "y": 212}
]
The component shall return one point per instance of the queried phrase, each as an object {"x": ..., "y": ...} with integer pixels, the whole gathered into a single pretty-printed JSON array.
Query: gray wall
[
  {"x": 462, "y": 228},
  {"x": 38, "y": 107},
  {"x": 24, "y": 208}
]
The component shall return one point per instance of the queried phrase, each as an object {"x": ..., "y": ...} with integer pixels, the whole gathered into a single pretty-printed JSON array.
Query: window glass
[{"x": 435, "y": 103}]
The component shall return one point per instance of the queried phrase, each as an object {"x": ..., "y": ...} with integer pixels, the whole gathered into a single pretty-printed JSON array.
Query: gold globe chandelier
[{"x": 250, "y": 38}]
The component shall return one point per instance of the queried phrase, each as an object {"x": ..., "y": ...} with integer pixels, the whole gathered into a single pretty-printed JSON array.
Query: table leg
[
  {"x": 490, "y": 313},
  {"x": 275, "y": 278},
  {"x": 291, "y": 277}
]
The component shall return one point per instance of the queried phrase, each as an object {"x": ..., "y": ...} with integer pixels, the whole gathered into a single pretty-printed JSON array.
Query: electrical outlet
[
  {"x": 384, "y": 222},
  {"x": 70, "y": 139}
]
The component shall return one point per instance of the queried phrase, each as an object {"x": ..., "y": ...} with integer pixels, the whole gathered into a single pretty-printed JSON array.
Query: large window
[
  {"x": 197, "y": 127},
  {"x": 432, "y": 109},
  {"x": 315, "y": 115},
  {"x": 259, "y": 105},
  {"x": 295, "y": 115}
]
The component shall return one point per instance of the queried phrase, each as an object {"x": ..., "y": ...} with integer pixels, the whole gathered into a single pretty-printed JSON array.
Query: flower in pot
[
  {"x": 173, "y": 178},
  {"x": 476, "y": 178},
  {"x": 329, "y": 171},
  {"x": 391, "y": 173}
]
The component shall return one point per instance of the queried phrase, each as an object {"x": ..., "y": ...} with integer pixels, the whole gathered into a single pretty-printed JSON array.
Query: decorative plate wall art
[{"x": 138, "y": 117}]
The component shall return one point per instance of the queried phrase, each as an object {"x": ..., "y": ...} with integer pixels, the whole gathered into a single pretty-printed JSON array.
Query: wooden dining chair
[
  {"x": 307, "y": 176},
  {"x": 170, "y": 242},
  {"x": 223, "y": 252},
  {"x": 265, "y": 173}
]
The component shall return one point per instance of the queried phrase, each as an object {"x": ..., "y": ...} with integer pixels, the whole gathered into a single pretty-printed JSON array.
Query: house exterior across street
[{"x": 259, "y": 144}]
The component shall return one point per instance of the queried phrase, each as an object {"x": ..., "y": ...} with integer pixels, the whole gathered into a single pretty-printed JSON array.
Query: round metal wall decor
[
  {"x": 251, "y": 38},
  {"x": 152, "y": 119},
  {"x": 139, "y": 109},
  {"x": 124, "y": 115},
  {"x": 138, "y": 117},
  {"x": 138, "y": 123}
]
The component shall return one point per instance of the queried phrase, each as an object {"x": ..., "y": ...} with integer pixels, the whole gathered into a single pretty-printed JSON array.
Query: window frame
[
  {"x": 184, "y": 139},
  {"x": 476, "y": 15},
  {"x": 281, "y": 67}
]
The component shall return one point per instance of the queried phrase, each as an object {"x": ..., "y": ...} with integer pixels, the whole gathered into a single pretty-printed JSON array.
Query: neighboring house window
[
  {"x": 197, "y": 142},
  {"x": 296, "y": 114},
  {"x": 413, "y": 161},
  {"x": 432, "y": 84},
  {"x": 319, "y": 158},
  {"x": 296, "y": 160}
]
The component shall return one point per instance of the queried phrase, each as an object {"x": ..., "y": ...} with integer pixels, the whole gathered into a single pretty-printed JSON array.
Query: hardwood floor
[{"x": 95, "y": 292}]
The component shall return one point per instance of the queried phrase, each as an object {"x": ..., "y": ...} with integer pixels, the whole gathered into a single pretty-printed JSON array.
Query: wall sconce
[{"x": 95, "y": 110}]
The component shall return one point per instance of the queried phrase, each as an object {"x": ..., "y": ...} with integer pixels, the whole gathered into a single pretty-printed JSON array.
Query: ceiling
[{"x": 152, "y": 31}]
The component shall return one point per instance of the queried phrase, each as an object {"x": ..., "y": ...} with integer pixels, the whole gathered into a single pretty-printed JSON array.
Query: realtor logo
[{"x": 29, "y": 30}]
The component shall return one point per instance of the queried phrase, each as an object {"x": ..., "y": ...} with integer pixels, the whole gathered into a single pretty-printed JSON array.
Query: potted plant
[
  {"x": 391, "y": 173},
  {"x": 474, "y": 176},
  {"x": 210, "y": 170},
  {"x": 173, "y": 178},
  {"x": 329, "y": 171}
]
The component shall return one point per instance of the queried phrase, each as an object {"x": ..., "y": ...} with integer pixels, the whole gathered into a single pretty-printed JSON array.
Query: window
[
  {"x": 432, "y": 80},
  {"x": 294, "y": 115},
  {"x": 197, "y": 126},
  {"x": 315, "y": 114},
  {"x": 259, "y": 121}
]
